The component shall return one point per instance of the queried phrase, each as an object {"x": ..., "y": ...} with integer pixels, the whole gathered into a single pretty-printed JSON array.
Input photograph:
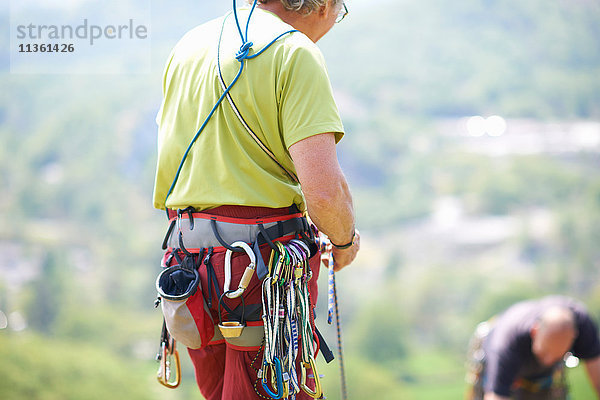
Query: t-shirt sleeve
[
  {"x": 587, "y": 344},
  {"x": 306, "y": 103},
  {"x": 165, "y": 79}
]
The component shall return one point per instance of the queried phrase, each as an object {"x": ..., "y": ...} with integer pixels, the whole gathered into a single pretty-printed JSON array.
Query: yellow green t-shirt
[{"x": 284, "y": 95}]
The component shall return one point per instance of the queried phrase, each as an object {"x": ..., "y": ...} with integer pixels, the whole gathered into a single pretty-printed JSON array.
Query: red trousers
[{"x": 229, "y": 372}]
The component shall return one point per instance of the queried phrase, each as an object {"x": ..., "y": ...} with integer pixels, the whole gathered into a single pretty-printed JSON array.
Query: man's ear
[
  {"x": 325, "y": 9},
  {"x": 534, "y": 330}
]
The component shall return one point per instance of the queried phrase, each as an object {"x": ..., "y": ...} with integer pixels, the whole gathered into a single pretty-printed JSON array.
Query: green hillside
[
  {"x": 434, "y": 58},
  {"x": 80, "y": 242}
]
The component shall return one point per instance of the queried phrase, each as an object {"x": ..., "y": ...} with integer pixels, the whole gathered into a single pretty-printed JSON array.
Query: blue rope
[
  {"x": 237, "y": 21},
  {"x": 333, "y": 308},
  {"x": 245, "y": 38},
  {"x": 270, "y": 43},
  {"x": 338, "y": 326},
  {"x": 242, "y": 55},
  {"x": 187, "y": 151}
]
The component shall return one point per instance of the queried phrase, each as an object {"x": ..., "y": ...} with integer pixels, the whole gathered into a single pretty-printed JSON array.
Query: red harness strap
[{"x": 243, "y": 213}]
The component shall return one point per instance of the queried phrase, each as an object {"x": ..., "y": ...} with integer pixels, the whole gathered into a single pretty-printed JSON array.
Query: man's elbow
[{"x": 324, "y": 197}]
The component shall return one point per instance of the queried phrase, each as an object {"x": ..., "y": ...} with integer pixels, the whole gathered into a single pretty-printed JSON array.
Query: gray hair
[{"x": 305, "y": 6}]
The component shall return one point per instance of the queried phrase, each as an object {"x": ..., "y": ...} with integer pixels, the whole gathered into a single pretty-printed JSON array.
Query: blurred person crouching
[{"x": 520, "y": 353}]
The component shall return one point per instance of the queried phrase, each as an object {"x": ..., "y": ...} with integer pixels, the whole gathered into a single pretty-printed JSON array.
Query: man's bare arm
[
  {"x": 592, "y": 367},
  {"x": 327, "y": 194},
  {"x": 494, "y": 396}
]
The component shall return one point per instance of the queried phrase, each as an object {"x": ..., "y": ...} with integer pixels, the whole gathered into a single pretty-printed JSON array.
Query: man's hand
[
  {"x": 494, "y": 396},
  {"x": 592, "y": 367},
  {"x": 344, "y": 257}
]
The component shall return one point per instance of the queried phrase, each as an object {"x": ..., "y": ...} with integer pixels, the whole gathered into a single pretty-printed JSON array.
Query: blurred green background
[{"x": 460, "y": 216}]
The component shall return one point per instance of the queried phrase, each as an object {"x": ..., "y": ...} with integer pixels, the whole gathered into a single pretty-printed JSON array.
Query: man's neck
[{"x": 307, "y": 24}]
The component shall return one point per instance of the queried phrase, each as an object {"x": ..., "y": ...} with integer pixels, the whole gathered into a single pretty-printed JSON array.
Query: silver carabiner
[{"x": 245, "y": 280}]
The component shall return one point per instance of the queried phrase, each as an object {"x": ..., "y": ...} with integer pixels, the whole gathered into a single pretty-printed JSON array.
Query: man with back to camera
[
  {"x": 519, "y": 354},
  {"x": 285, "y": 98}
]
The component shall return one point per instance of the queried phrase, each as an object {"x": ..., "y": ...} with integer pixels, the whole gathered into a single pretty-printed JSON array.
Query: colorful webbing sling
[{"x": 287, "y": 316}]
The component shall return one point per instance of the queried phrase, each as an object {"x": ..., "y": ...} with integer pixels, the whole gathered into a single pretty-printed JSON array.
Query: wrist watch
[{"x": 345, "y": 246}]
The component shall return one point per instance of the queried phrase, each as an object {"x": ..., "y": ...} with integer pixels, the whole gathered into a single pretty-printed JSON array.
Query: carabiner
[
  {"x": 245, "y": 280},
  {"x": 298, "y": 264},
  {"x": 281, "y": 260},
  {"x": 318, "y": 392},
  {"x": 168, "y": 356},
  {"x": 278, "y": 378}
]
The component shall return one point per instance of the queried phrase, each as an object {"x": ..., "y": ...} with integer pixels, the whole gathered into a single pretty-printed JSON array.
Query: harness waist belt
[{"x": 200, "y": 233}]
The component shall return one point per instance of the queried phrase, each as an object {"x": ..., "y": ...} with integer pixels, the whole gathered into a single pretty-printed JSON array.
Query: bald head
[
  {"x": 556, "y": 320},
  {"x": 553, "y": 335}
]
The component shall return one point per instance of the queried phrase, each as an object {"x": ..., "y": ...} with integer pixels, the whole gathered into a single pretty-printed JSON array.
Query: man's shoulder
[
  {"x": 298, "y": 52},
  {"x": 511, "y": 330},
  {"x": 203, "y": 31}
]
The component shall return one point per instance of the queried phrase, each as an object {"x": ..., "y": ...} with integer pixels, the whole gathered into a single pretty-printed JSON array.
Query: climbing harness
[{"x": 555, "y": 386}]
